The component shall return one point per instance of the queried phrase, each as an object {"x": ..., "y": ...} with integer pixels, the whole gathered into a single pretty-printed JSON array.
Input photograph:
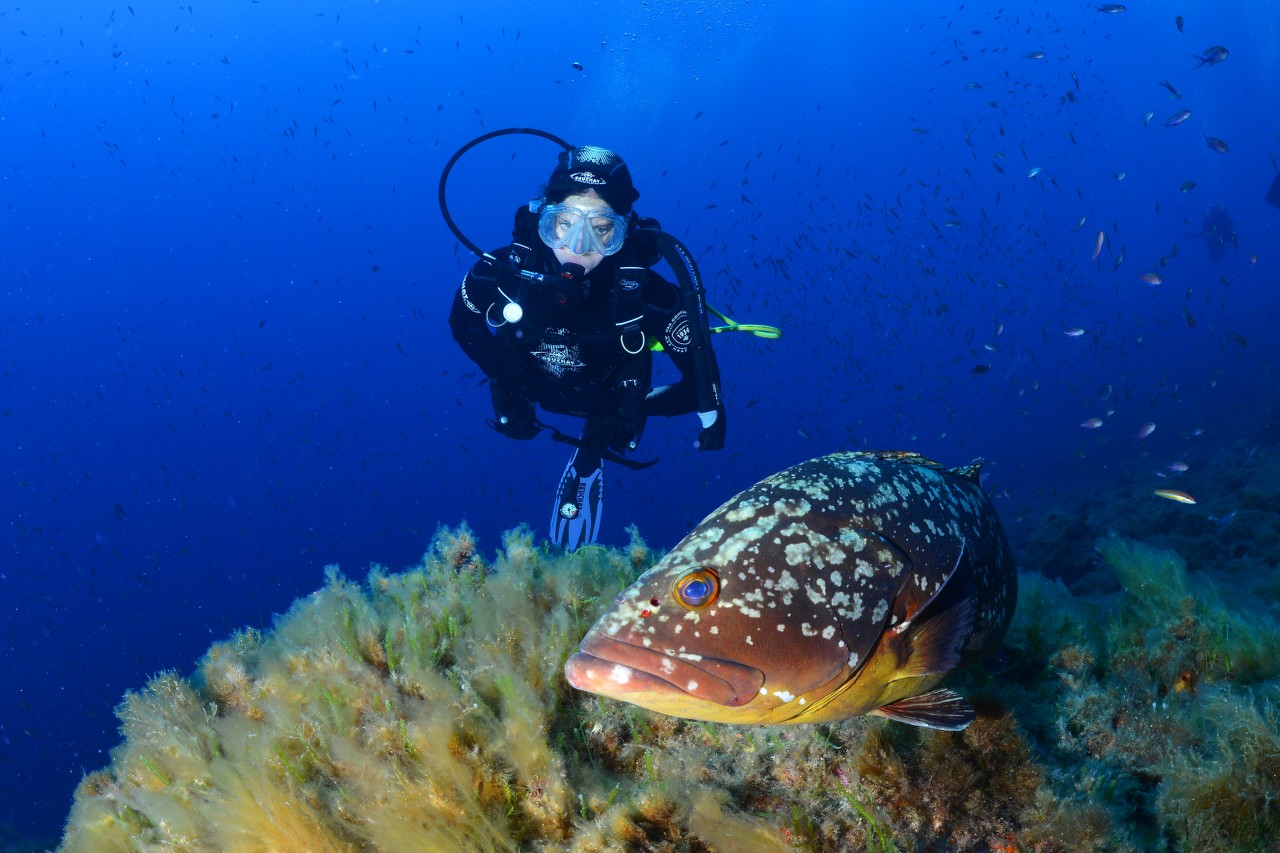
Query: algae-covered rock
[{"x": 427, "y": 711}]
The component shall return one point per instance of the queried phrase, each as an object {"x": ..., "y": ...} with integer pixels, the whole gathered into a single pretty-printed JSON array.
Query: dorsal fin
[{"x": 969, "y": 472}]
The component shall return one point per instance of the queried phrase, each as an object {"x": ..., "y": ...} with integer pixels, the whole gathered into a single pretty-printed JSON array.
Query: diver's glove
[
  {"x": 513, "y": 414},
  {"x": 712, "y": 435}
]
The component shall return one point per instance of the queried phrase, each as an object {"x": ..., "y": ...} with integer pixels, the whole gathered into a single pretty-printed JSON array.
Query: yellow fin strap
[
  {"x": 760, "y": 330},
  {"x": 771, "y": 333}
]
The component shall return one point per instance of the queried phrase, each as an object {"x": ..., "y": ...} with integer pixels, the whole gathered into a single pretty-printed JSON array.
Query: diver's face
[{"x": 587, "y": 201}]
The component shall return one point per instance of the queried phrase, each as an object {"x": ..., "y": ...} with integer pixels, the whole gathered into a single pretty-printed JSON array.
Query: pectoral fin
[
  {"x": 933, "y": 645},
  {"x": 930, "y": 641}
]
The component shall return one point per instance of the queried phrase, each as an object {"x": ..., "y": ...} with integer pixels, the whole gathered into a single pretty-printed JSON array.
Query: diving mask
[{"x": 582, "y": 230}]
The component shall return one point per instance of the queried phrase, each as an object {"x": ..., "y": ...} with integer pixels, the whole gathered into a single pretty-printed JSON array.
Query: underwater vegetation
[{"x": 427, "y": 710}]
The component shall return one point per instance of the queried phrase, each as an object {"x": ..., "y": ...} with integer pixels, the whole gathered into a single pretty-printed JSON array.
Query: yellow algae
[{"x": 427, "y": 710}]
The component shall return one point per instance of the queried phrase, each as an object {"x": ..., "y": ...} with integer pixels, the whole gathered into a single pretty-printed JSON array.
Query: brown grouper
[{"x": 848, "y": 584}]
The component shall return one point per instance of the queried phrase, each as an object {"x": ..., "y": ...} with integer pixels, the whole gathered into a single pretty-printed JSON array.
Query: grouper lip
[{"x": 613, "y": 668}]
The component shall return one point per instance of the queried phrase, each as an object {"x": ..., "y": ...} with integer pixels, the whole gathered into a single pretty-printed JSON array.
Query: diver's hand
[
  {"x": 513, "y": 413},
  {"x": 712, "y": 435}
]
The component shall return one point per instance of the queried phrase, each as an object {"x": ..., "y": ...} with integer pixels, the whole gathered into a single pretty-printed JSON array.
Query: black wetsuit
[{"x": 570, "y": 358}]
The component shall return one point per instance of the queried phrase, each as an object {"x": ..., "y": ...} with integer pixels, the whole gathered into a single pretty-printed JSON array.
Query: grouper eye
[{"x": 698, "y": 589}]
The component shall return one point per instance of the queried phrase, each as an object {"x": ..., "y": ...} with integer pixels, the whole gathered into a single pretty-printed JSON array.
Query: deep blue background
[{"x": 225, "y": 282}]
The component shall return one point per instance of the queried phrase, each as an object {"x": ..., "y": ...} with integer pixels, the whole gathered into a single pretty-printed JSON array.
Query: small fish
[
  {"x": 1073, "y": 332},
  {"x": 1178, "y": 118},
  {"x": 1147, "y": 117},
  {"x": 1035, "y": 54},
  {"x": 1151, "y": 278},
  {"x": 1119, "y": 176},
  {"x": 1079, "y": 224},
  {"x": 971, "y": 86},
  {"x": 1216, "y": 144},
  {"x": 1035, "y": 171},
  {"x": 1172, "y": 91},
  {"x": 1212, "y": 56},
  {"x": 1111, "y": 8},
  {"x": 1178, "y": 22},
  {"x": 577, "y": 66},
  {"x": 1177, "y": 467},
  {"x": 1174, "y": 495},
  {"x": 1146, "y": 430},
  {"x": 919, "y": 131},
  {"x": 1097, "y": 245},
  {"x": 1253, "y": 258},
  {"x": 1092, "y": 423},
  {"x": 1186, "y": 186},
  {"x": 849, "y": 584}
]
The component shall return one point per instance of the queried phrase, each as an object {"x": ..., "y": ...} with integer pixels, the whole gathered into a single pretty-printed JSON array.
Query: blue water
[{"x": 225, "y": 356}]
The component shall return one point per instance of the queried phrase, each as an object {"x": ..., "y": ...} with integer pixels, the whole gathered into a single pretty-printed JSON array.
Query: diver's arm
[
  {"x": 478, "y": 292},
  {"x": 683, "y": 396}
]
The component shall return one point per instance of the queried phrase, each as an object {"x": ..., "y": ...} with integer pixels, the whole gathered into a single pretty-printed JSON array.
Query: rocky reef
[{"x": 426, "y": 710}]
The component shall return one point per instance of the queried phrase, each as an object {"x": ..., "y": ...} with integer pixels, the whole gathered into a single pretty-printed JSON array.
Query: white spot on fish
[
  {"x": 797, "y": 554},
  {"x": 784, "y": 695},
  {"x": 828, "y": 632},
  {"x": 620, "y": 674}
]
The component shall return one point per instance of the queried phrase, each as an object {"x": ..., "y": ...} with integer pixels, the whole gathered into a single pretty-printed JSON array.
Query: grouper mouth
[{"x": 622, "y": 671}]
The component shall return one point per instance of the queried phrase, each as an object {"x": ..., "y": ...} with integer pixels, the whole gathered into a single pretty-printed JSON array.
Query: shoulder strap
[{"x": 628, "y": 308}]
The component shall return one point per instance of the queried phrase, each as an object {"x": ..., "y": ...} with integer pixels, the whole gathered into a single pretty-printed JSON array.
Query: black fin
[
  {"x": 575, "y": 518},
  {"x": 937, "y": 709}
]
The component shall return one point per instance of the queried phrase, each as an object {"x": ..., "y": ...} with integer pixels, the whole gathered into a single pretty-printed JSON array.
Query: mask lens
[{"x": 582, "y": 231}]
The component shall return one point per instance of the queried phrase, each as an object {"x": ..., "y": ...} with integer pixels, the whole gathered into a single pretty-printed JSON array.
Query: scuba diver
[
  {"x": 567, "y": 317},
  {"x": 1218, "y": 231}
]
